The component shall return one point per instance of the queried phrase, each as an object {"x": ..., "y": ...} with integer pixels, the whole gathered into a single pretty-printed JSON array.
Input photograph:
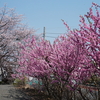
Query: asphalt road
[{"x": 8, "y": 92}]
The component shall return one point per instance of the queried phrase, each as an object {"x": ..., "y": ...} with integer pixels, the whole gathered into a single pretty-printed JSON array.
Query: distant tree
[{"x": 12, "y": 32}]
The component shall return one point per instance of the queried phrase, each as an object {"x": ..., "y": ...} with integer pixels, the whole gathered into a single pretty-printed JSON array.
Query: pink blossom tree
[
  {"x": 34, "y": 61},
  {"x": 69, "y": 61},
  {"x": 56, "y": 65},
  {"x": 89, "y": 36},
  {"x": 34, "y": 57}
]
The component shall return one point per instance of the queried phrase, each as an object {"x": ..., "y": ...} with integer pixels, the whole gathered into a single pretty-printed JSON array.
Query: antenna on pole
[{"x": 43, "y": 32}]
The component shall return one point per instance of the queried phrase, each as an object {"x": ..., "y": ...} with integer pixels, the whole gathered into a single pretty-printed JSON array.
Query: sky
[{"x": 48, "y": 13}]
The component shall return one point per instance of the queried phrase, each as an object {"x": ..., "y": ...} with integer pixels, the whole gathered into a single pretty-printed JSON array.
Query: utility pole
[{"x": 44, "y": 33}]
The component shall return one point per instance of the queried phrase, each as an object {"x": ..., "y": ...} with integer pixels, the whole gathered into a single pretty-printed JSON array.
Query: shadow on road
[{"x": 11, "y": 93}]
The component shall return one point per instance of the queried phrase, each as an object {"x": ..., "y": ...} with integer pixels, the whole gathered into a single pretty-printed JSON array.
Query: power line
[
  {"x": 53, "y": 33},
  {"x": 50, "y": 36}
]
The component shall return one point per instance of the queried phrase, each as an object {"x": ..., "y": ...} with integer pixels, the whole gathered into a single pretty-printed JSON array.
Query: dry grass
[{"x": 34, "y": 93}]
